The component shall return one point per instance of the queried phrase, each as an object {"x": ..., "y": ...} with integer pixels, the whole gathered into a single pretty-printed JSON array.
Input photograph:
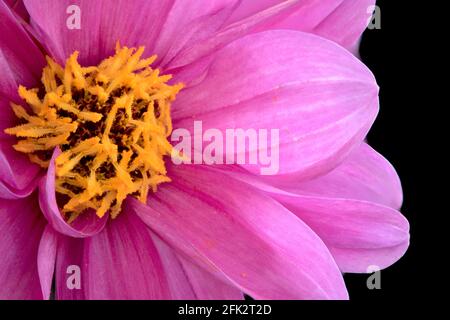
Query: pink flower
[{"x": 213, "y": 232}]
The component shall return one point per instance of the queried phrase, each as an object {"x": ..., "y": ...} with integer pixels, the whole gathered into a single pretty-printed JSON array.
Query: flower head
[
  {"x": 111, "y": 123},
  {"x": 91, "y": 200}
]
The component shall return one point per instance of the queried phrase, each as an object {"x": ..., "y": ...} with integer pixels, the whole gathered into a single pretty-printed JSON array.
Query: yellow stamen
[{"x": 111, "y": 123}]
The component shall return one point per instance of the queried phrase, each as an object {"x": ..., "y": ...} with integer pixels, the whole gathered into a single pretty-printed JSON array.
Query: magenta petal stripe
[
  {"x": 21, "y": 227},
  {"x": 261, "y": 247},
  {"x": 18, "y": 8}
]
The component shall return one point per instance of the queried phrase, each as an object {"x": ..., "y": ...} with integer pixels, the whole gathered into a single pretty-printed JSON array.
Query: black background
[{"x": 390, "y": 53}]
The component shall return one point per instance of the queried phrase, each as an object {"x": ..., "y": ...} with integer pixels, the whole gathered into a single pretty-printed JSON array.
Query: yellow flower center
[{"x": 111, "y": 123}]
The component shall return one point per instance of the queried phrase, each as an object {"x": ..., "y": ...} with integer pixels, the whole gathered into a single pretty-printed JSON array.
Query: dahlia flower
[{"x": 87, "y": 184}]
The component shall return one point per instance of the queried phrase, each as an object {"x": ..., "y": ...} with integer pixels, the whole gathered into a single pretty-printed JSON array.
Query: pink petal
[
  {"x": 8, "y": 92},
  {"x": 134, "y": 270},
  {"x": 69, "y": 255},
  {"x": 248, "y": 8},
  {"x": 204, "y": 48},
  {"x": 320, "y": 97},
  {"x": 21, "y": 227},
  {"x": 47, "y": 260},
  {"x": 133, "y": 23},
  {"x": 18, "y": 7},
  {"x": 262, "y": 248},
  {"x": 24, "y": 57},
  {"x": 7, "y": 192},
  {"x": 121, "y": 262},
  {"x": 187, "y": 281},
  {"x": 364, "y": 175},
  {"x": 358, "y": 233},
  {"x": 357, "y": 260},
  {"x": 179, "y": 286},
  {"x": 190, "y": 22},
  {"x": 344, "y": 24},
  {"x": 342, "y": 21},
  {"x": 21, "y": 63},
  {"x": 18, "y": 176},
  {"x": 86, "y": 225},
  {"x": 207, "y": 286}
]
